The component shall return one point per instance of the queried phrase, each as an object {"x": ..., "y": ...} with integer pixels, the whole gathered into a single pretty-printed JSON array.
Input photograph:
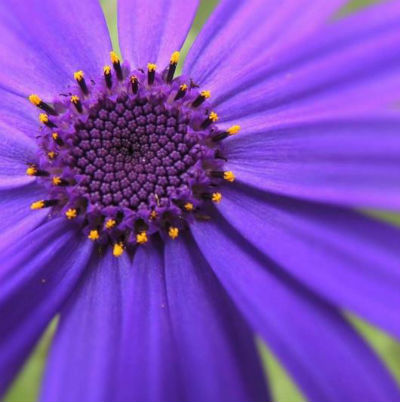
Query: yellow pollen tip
[
  {"x": 31, "y": 171},
  {"x": 229, "y": 176},
  {"x": 51, "y": 154},
  {"x": 107, "y": 70},
  {"x": 114, "y": 57},
  {"x": 93, "y": 235},
  {"x": 71, "y": 213},
  {"x": 79, "y": 75},
  {"x": 153, "y": 215},
  {"x": 216, "y": 197},
  {"x": 110, "y": 224},
  {"x": 43, "y": 118},
  {"x": 183, "y": 87},
  {"x": 151, "y": 67},
  {"x": 56, "y": 180},
  {"x": 205, "y": 94},
  {"x": 189, "y": 206},
  {"x": 37, "y": 205},
  {"x": 173, "y": 232},
  {"x": 233, "y": 130},
  {"x": 54, "y": 136},
  {"x": 118, "y": 250},
  {"x": 133, "y": 79},
  {"x": 175, "y": 58},
  {"x": 35, "y": 100},
  {"x": 75, "y": 99},
  {"x": 213, "y": 117},
  {"x": 141, "y": 238}
]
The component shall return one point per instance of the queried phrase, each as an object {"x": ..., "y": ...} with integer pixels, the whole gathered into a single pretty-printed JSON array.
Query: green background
[{"x": 26, "y": 386}]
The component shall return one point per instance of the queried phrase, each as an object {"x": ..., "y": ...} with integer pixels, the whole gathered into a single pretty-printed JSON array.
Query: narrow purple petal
[
  {"x": 85, "y": 354},
  {"x": 45, "y": 41},
  {"x": 38, "y": 272},
  {"x": 149, "y": 351},
  {"x": 216, "y": 351},
  {"x": 17, "y": 219},
  {"x": 346, "y": 162},
  {"x": 250, "y": 30},
  {"x": 347, "y": 258},
  {"x": 351, "y": 55},
  {"x": 150, "y": 32},
  {"x": 315, "y": 344}
]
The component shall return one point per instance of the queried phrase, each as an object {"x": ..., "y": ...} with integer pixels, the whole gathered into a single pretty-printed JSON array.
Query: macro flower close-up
[{"x": 173, "y": 209}]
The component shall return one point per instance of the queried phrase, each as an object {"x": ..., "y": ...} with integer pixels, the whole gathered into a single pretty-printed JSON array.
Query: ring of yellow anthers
[{"x": 185, "y": 95}]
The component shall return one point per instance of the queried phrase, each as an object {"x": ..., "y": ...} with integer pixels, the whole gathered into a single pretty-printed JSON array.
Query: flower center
[{"x": 134, "y": 154}]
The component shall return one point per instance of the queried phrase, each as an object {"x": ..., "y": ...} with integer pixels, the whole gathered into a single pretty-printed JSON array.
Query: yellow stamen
[
  {"x": 153, "y": 215},
  {"x": 55, "y": 136},
  {"x": 174, "y": 58},
  {"x": 173, "y": 232},
  {"x": 133, "y": 79},
  {"x": 110, "y": 223},
  {"x": 205, "y": 94},
  {"x": 216, "y": 197},
  {"x": 71, "y": 213},
  {"x": 79, "y": 75},
  {"x": 107, "y": 70},
  {"x": 75, "y": 99},
  {"x": 43, "y": 118},
  {"x": 37, "y": 205},
  {"x": 229, "y": 176},
  {"x": 51, "y": 155},
  {"x": 118, "y": 249},
  {"x": 114, "y": 57},
  {"x": 233, "y": 130},
  {"x": 183, "y": 87},
  {"x": 31, "y": 171},
  {"x": 35, "y": 100},
  {"x": 56, "y": 180},
  {"x": 93, "y": 235},
  {"x": 141, "y": 238},
  {"x": 189, "y": 206},
  {"x": 151, "y": 67},
  {"x": 213, "y": 117}
]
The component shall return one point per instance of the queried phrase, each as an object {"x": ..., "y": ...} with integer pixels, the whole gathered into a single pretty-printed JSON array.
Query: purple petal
[
  {"x": 347, "y": 162},
  {"x": 150, "y": 32},
  {"x": 347, "y": 258},
  {"x": 85, "y": 353},
  {"x": 325, "y": 356},
  {"x": 19, "y": 117},
  {"x": 216, "y": 351},
  {"x": 248, "y": 31},
  {"x": 38, "y": 273},
  {"x": 149, "y": 364},
  {"x": 46, "y": 41},
  {"x": 17, "y": 219},
  {"x": 351, "y": 62}
]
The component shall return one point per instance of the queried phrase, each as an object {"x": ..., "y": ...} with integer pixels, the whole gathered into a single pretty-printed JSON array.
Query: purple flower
[{"x": 165, "y": 239}]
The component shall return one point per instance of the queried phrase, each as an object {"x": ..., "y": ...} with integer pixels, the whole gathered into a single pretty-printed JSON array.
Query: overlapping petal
[
  {"x": 349, "y": 259},
  {"x": 350, "y": 56},
  {"x": 44, "y": 42},
  {"x": 321, "y": 351},
  {"x": 37, "y": 274},
  {"x": 85, "y": 354},
  {"x": 150, "y": 32},
  {"x": 216, "y": 351},
  {"x": 249, "y": 30},
  {"x": 349, "y": 161}
]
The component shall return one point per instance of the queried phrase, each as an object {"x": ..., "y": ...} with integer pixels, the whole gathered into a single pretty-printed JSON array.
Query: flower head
[{"x": 163, "y": 239}]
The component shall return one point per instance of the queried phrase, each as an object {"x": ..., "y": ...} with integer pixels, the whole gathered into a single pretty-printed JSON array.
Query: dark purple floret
[{"x": 131, "y": 155}]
